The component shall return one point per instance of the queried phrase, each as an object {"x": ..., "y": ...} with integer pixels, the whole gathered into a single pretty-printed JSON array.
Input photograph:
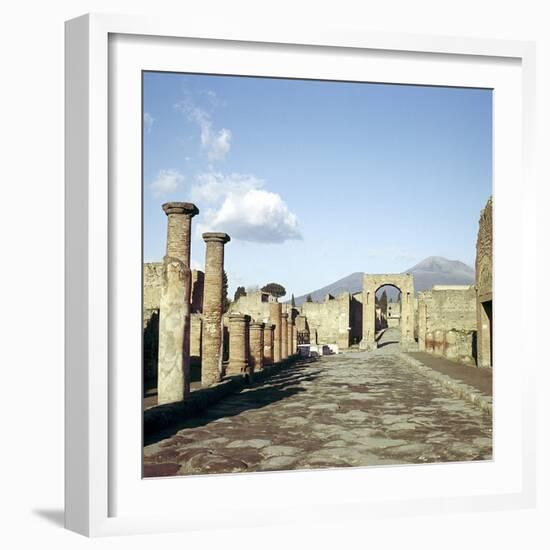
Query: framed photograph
[{"x": 294, "y": 265}]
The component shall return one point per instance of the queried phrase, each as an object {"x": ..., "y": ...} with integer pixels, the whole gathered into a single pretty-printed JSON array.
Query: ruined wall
[
  {"x": 195, "y": 347},
  {"x": 450, "y": 307},
  {"x": 330, "y": 320},
  {"x": 197, "y": 291},
  {"x": 152, "y": 285},
  {"x": 484, "y": 286},
  {"x": 255, "y": 304},
  {"x": 446, "y": 322},
  {"x": 356, "y": 318}
]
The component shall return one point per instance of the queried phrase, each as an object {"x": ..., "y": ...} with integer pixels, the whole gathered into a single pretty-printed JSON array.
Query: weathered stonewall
[
  {"x": 275, "y": 311},
  {"x": 256, "y": 352},
  {"x": 268, "y": 344},
  {"x": 238, "y": 344},
  {"x": 212, "y": 333},
  {"x": 174, "y": 323},
  {"x": 284, "y": 336}
]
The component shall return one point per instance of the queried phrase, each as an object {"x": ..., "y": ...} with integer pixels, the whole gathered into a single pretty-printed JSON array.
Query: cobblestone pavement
[{"x": 352, "y": 409}]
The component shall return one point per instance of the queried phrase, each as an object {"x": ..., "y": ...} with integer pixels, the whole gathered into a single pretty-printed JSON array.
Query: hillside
[{"x": 433, "y": 270}]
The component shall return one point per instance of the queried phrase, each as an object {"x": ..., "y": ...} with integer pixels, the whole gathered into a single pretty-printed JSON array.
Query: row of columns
[
  {"x": 175, "y": 306},
  {"x": 251, "y": 345},
  {"x": 254, "y": 345}
]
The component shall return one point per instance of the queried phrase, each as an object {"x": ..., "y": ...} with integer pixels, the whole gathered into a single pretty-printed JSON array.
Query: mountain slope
[{"x": 433, "y": 270}]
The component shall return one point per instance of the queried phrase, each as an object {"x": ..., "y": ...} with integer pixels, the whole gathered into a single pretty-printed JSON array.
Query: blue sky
[{"x": 314, "y": 180}]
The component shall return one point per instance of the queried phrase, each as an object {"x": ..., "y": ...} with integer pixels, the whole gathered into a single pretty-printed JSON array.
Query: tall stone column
[
  {"x": 294, "y": 339},
  {"x": 174, "y": 324},
  {"x": 256, "y": 352},
  {"x": 284, "y": 336},
  {"x": 268, "y": 344},
  {"x": 275, "y": 311},
  {"x": 212, "y": 309},
  {"x": 238, "y": 344}
]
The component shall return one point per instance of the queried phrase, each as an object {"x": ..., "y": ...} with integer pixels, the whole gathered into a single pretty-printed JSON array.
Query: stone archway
[{"x": 403, "y": 282}]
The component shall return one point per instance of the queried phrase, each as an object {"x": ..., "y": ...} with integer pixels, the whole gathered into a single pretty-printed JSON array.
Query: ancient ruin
[
  {"x": 284, "y": 336},
  {"x": 275, "y": 317},
  {"x": 484, "y": 286},
  {"x": 174, "y": 322},
  {"x": 189, "y": 327},
  {"x": 239, "y": 344},
  {"x": 405, "y": 284},
  {"x": 256, "y": 351},
  {"x": 185, "y": 324},
  {"x": 212, "y": 313}
]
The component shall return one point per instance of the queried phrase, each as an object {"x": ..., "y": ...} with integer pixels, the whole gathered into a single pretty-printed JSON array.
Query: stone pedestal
[
  {"x": 212, "y": 309},
  {"x": 256, "y": 352},
  {"x": 174, "y": 323},
  {"x": 284, "y": 336},
  {"x": 275, "y": 311},
  {"x": 238, "y": 344},
  {"x": 268, "y": 344}
]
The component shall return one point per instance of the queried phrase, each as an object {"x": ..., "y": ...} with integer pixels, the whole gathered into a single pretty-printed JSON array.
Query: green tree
[
  {"x": 275, "y": 289},
  {"x": 309, "y": 298},
  {"x": 293, "y": 301}
]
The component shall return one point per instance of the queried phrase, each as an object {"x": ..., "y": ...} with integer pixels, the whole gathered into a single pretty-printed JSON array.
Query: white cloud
[
  {"x": 240, "y": 206},
  {"x": 214, "y": 187},
  {"x": 148, "y": 122},
  {"x": 216, "y": 143},
  {"x": 166, "y": 182}
]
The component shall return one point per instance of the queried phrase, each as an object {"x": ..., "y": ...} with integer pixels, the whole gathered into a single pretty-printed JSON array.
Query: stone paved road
[{"x": 353, "y": 409}]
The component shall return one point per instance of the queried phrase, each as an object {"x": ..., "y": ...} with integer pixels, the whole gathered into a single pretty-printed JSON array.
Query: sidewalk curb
[{"x": 464, "y": 391}]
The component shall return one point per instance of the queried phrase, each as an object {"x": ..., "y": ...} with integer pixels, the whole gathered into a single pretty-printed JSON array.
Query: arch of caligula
[{"x": 403, "y": 282}]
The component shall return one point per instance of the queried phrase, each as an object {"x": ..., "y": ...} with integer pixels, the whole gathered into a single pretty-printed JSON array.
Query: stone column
[
  {"x": 174, "y": 323},
  {"x": 268, "y": 344},
  {"x": 256, "y": 352},
  {"x": 212, "y": 308},
  {"x": 294, "y": 340},
  {"x": 284, "y": 336},
  {"x": 290, "y": 339},
  {"x": 238, "y": 344},
  {"x": 275, "y": 310}
]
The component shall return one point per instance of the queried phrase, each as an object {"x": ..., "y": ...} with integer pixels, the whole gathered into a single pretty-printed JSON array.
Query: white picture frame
[{"x": 100, "y": 395}]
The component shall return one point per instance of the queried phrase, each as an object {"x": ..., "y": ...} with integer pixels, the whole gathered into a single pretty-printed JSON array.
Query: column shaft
[
  {"x": 256, "y": 352},
  {"x": 212, "y": 334},
  {"x": 284, "y": 336},
  {"x": 275, "y": 311},
  {"x": 174, "y": 323},
  {"x": 268, "y": 344},
  {"x": 238, "y": 344}
]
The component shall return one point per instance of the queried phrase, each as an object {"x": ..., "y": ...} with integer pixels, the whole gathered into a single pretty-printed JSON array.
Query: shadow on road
[{"x": 256, "y": 396}]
